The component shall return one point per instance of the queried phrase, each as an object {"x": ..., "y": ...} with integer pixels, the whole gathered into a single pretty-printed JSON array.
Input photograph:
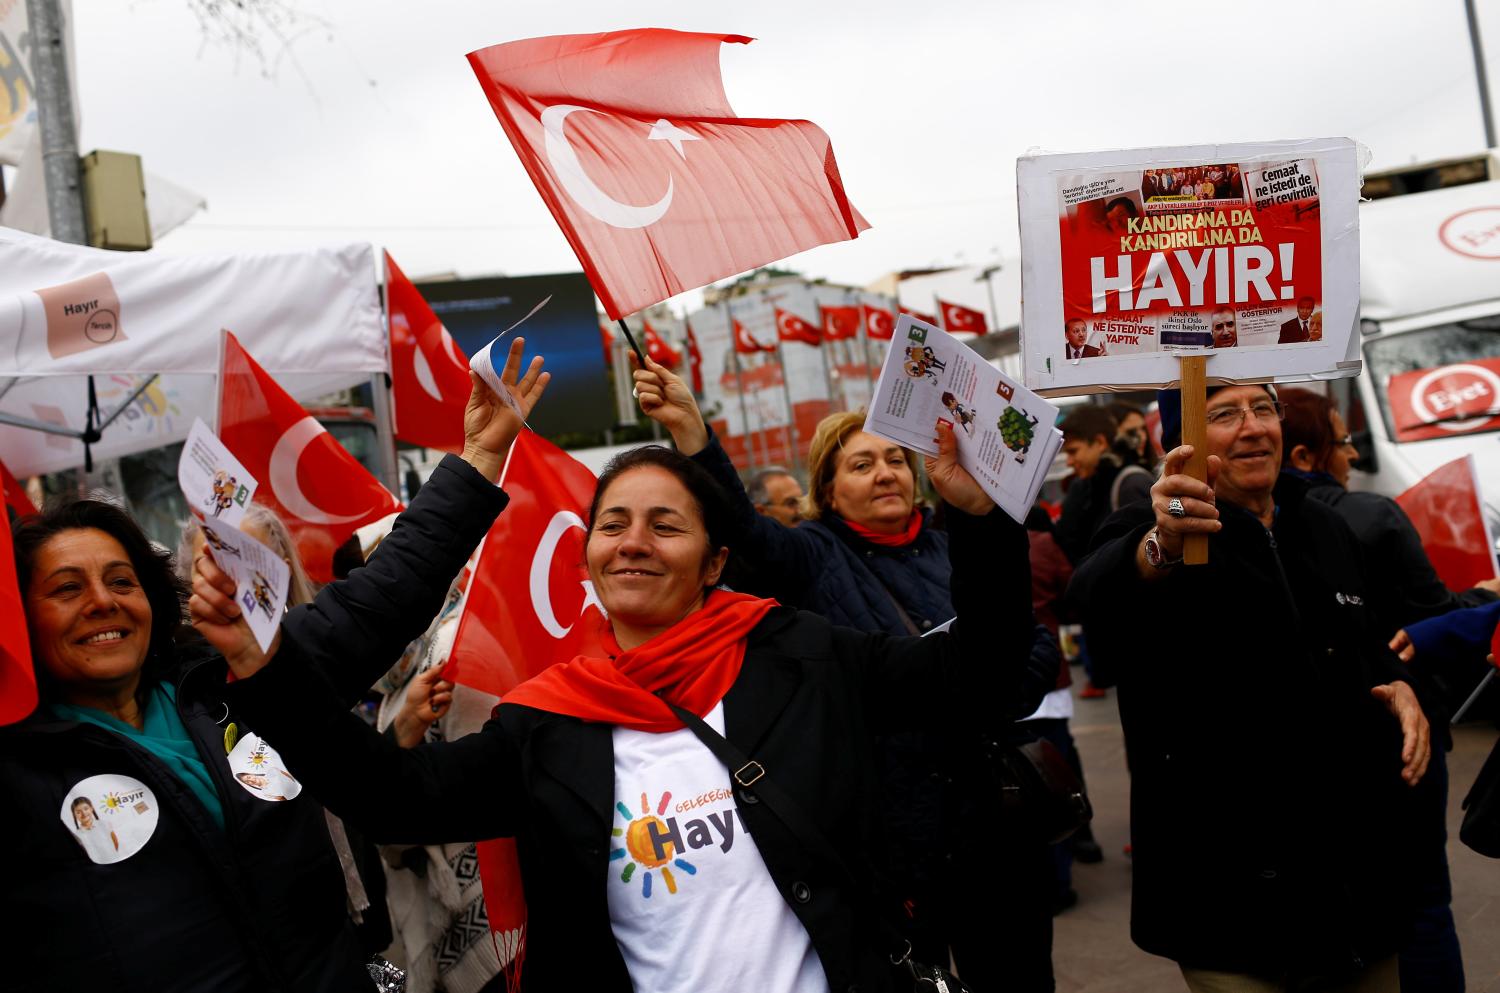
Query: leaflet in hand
[
  {"x": 212, "y": 479},
  {"x": 483, "y": 363},
  {"x": 1007, "y": 435},
  {"x": 260, "y": 575}
]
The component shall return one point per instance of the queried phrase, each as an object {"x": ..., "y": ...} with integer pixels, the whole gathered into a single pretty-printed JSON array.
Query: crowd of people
[{"x": 783, "y": 771}]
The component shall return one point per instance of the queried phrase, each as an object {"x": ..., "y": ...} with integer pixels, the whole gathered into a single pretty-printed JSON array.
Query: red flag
[
  {"x": 745, "y": 344},
  {"x": 656, "y": 346},
  {"x": 429, "y": 375},
  {"x": 695, "y": 358},
  {"x": 840, "y": 323},
  {"x": 306, "y": 476},
  {"x": 924, "y": 318},
  {"x": 655, "y": 182},
  {"x": 790, "y": 327},
  {"x": 15, "y": 495},
  {"x": 1449, "y": 515},
  {"x": 608, "y": 341},
  {"x": 880, "y": 324},
  {"x": 960, "y": 318},
  {"x": 17, "y": 677}
]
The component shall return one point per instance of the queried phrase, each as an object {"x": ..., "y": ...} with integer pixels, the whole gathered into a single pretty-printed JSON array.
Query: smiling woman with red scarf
[{"x": 646, "y": 863}]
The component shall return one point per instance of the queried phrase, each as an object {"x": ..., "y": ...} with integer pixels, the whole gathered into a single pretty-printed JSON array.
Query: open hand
[
  {"x": 490, "y": 424},
  {"x": 1416, "y": 734},
  {"x": 217, "y": 616},
  {"x": 668, "y": 401},
  {"x": 951, "y": 480}
]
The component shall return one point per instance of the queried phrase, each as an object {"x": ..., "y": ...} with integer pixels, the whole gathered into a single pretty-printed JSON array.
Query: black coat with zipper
[
  {"x": 260, "y": 905},
  {"x": 1267, "y": 811},
  {"x": 806, "y": 704}
]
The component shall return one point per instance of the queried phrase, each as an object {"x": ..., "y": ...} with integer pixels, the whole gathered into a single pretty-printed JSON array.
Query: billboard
[{"x": 564, "y": 329}]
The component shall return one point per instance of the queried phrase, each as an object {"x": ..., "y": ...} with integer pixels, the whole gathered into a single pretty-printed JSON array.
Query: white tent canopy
[{"x": 312, "y": 318}]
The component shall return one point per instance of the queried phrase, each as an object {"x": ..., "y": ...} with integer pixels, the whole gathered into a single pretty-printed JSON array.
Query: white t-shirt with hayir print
[{"x": 691, "y": 902}]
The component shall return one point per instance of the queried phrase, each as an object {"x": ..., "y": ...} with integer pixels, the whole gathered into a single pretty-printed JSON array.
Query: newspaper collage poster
[{"x": 1245, "y": 253}]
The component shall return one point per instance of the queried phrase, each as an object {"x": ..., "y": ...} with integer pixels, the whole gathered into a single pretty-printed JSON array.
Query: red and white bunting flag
[
  {"x": 957, "y": 317},
  {"x": 695, "y": 358},
  {"x": 880, "y": 324},
  {"x": 840, "y": 323},
  {"x": 17, "y": 677},
  {"x": 790, "y": 327},
  {"x": 15, "y": 495},
  {"x": 1448, "y": 512},
  {"x": 429, "y": 375},
  {"x": 747, "y": 345},
  {"x": 657, "y": 348},
  {"x": 630, "y": 139},
  {"x": 305, "y": 475}
]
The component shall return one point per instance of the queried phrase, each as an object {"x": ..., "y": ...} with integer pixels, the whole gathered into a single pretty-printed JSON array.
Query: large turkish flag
[
  {"x": 429, "y": 375},
  {"x": 1448, "y": 513},
  {"x": 790, "y": 327},
  {"x": 957, "y": 317},
  {"x": 657, "y": 185},
  {"x": 745, "y": 343},
  {"x": 530, "y": 602},
  {"x": 880, "y": 324},
  {"x": 305, "y": 475},
  {"x": 840, "y": 323}
]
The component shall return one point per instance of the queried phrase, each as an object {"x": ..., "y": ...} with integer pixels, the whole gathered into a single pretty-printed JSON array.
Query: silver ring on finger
[{"x": 1175, "y": 508}]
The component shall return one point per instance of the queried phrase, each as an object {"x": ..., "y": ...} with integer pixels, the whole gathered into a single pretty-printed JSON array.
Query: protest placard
[
  {"x": 212, "y": 479},
  {"x": 1007, "y": 435},
  {"x": 1246, "y": 254}
]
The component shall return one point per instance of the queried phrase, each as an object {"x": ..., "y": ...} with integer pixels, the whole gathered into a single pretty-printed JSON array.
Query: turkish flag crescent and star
[
  {"x": 318, "y": 488},
  {"x": 745, "y": 344},
  {"x": 840, "y": 323},
  {"x": 17, "y": 677},
  {"x": 657, "y": 185},
  {"x": 529, "y": 605},
  {"x": 960, "y": 318},
  {"x": 1446, "y": 509},
  {"x": 880, "y": 325},
  {"x": 790, "y": 327},
  {"x": 429, "y": 375}
]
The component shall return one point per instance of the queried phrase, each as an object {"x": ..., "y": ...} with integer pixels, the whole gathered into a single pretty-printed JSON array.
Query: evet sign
[
  {"x": 1474, "y": 233},
  {"x": 1448, "y": 400}
]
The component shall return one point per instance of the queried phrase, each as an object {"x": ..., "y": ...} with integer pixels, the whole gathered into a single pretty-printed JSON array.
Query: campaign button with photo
[
  {"x": 260, "y": 771},
  {"x": 111, "y": 817}
]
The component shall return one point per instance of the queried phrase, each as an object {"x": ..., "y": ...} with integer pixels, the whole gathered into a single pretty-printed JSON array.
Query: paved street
[{"x": 1092, "y": 950}]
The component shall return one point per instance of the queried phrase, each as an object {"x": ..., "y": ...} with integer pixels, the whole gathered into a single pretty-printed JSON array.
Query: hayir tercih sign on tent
[{"x": 1246, "y": 255}]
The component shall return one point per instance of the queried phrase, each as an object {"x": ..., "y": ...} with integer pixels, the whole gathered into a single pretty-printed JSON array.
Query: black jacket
[
  {"x": 1266, "y": 806},
  {"x": 805, "y": 705},
  {"x": 258, "y": 906},
  {"x": 1088, "y": 501}
]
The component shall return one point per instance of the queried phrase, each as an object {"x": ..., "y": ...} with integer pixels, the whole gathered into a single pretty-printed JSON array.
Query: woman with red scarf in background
[{"x": 646, "y": 864}]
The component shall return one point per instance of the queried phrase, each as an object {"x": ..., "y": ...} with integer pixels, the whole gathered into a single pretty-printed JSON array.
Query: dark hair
[
  {"x": 1087, "y": 422},
  {"x": 718, "y": 519},
  {"x": 1309, "y": 422},
  {"x": 153, "y": 567},
  {"x": 1121, "y": 410},
  {"x": 1126, "y": 202},
  {"x": 758, "y": 489}
]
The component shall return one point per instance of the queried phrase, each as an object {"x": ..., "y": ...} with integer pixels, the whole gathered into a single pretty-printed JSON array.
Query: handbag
[
  {"x": 747, "y": 773},
  {"x": 1040, "y": 790}
]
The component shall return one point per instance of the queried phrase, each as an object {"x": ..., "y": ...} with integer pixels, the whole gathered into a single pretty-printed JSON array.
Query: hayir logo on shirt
[{"x": 655, "y": 842}]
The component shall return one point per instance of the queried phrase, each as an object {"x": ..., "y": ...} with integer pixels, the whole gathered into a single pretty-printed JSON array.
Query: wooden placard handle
[{"x": 1195, "y": 433}]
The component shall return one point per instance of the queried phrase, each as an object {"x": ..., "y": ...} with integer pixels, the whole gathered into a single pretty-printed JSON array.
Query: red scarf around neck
[
  {"x": 905, "y": 537},
  {"x": 693, "y": 663}
]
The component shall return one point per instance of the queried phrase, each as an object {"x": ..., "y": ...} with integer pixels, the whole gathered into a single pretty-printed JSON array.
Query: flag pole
[
  {"x": 631, "y": 338},
  {"x": 739, "y": 381}
]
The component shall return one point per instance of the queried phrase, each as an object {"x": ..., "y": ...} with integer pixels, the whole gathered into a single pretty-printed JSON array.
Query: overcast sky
[{"x": 372, "y": 127}]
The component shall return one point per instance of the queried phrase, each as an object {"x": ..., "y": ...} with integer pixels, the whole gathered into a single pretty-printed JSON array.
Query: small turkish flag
[
  {"x": 880, "y": 324},
  {"x": 657, "y": 185},
  {"x": 656, "y": 346},
  {"x": 746, "y": 345},
  {"x": 960, "y": 318},
  {"x": 429, "y": 375},
  {"x": 17, "y": 677},
  {"x": 695, "y": 358},
  {"x": 924, "y": 318},
  {"x": 1447, "y": 510},
  {"x": 530, "y": 602},
  {"x": 305, "y": 475},
  {"x": 15, "y": 496},
  {"x": 840, "y": 323},
  {"x": 790, "y": 327}
]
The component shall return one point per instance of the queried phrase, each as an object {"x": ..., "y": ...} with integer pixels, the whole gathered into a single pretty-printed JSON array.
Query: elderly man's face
[
  {"x": 1078, "y": 333},
  {"x": 783, "y": 500},
  {"x": 1223, "y": 329},
  {"x": 1250, "y": 451}
]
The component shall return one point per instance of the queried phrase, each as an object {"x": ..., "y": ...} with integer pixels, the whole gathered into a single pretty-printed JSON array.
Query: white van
[{"x": 1429, "y": 300}]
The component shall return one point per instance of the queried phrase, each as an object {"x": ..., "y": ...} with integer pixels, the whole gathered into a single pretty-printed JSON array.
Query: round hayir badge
[
  {"x": 111, "y": 817},
  {"x": 258, "y": 768}
]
